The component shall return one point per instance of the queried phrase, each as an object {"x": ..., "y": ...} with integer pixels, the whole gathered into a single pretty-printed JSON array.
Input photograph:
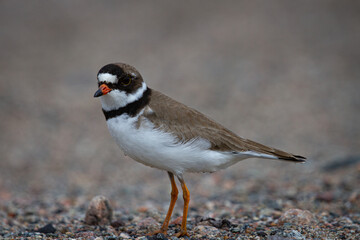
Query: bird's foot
[
  {"x": 163, "y": 231},
  {"x": 182, "y": 233}
]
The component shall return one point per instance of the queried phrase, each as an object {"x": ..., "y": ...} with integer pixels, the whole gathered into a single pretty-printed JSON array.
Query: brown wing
[{"x": 187, "y": 123}]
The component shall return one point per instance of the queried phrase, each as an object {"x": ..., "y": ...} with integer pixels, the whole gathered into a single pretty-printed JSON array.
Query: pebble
[
  {"x": 292, "y": 235},
  {"x": 124, "y": 235},
  {"x": 221, "y": 223},
  {"x": 177, "y": 221},
  {"x": 49, "y": 228},
  {"x": 218, "y": 223},
  {"x": 206, "y": 230},
  {"x": 148, "y": 223},
  {"x": 142, "y": 238},
  {"x": 85, "y": 235},
  {"x": 297, "y": 217},
  {"x": 261, "y": 233},
  {"x": 158, "y": 236},
  {"x": 117, "y": 223},
  {"x": 99, "y": 211}
]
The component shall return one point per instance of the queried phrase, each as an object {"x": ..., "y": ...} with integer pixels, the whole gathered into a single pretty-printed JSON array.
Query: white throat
[{"x": 117, "y": 99}]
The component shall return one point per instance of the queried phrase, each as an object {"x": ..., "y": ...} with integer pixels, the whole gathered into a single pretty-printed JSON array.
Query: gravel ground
[
  {"x": 283, "y": 73},
  {"x": 327, "y": 207}
]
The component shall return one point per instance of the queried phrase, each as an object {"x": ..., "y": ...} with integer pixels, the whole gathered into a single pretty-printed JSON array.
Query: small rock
[
  {"x": 265, "y": 212},
  {"x": 292, "y": 235},
  {"x": 64, "y": 230},
  {"x": 276, "y": 214},
  {"x": 117, "y": 223},
  {"x": 158, "y": 236},
  {"x": 297, "y": 217},
  {"x": 261, "y": 233},
  {"x": 208, "y": 231},
  {"x": 220, "y": 223},
  {"x": 99, "y": 211},
  {"x": 124, "y": 235},
  {"x": 49, "y": 228},
  {"x": 85, "y": 235},
  {"x": 148, "y": 223},
  {"x": 176, "y": 221}
]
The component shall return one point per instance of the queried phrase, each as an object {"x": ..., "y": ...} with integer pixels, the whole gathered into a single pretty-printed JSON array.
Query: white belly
[{"x": 159, "y": 149}]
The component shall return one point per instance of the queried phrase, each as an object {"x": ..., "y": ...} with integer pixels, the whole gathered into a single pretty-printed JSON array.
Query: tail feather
[
  {"x": 274, "y": 154},
  {"x": 278, "y": 154},
  {"x": 293, "y": 158},
  {"x": 281, "y": 155}
]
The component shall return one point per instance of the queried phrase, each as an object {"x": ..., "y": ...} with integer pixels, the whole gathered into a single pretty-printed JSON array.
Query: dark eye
[{"x": 126, "y": 81}]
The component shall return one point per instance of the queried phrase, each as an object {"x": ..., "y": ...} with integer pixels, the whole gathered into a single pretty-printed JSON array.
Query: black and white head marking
[{"x": 127, "y": 89}]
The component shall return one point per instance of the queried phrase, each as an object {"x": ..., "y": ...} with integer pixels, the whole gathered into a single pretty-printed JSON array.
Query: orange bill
[{"x": 103, "y": 90}]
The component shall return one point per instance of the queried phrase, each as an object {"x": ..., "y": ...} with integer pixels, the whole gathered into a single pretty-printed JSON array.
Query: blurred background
[{"x": 283, "y": 73}]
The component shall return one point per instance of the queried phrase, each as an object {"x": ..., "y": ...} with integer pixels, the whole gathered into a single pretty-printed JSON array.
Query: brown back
[{"x": 187, "y": 123}]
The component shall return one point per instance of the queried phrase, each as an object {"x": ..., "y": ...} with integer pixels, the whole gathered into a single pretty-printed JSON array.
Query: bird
[{"x": 162, "y": 133}]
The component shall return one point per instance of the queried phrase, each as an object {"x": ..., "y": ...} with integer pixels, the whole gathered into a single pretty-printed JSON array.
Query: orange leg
[
  {"x": 186, "y": 196},
  {"x": 174, "y": 195}
]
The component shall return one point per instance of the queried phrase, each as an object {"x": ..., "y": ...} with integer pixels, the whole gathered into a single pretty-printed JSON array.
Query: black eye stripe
[{"x": 118, "y": 86}]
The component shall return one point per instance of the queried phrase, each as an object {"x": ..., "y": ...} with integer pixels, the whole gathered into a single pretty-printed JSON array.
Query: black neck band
[{"x": 132, "y": 108}]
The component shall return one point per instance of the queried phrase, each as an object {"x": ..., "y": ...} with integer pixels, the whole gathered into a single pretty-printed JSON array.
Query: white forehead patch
[{"x": 107, "y": 77}]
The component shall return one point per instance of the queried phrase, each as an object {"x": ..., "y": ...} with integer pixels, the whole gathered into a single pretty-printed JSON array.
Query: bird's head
[{"x": 119, "y": 84}]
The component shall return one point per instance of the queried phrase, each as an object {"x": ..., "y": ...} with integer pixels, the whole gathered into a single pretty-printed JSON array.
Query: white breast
[{"x": 159, "y": 149}]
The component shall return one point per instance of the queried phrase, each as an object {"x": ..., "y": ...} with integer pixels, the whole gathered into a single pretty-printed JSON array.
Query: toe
[
  {"x": 182, "y": 234},
  {"x": 156, "y": 232}
]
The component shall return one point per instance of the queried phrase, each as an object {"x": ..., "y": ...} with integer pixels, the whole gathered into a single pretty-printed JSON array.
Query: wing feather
[{"x": 187, "y": 123}]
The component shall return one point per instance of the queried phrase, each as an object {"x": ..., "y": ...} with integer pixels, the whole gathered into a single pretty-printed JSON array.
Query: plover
[{"x": 160, "y": 132}]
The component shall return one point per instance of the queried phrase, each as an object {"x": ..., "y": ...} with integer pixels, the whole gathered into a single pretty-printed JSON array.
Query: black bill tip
[{"x": 98, "y": 93}]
